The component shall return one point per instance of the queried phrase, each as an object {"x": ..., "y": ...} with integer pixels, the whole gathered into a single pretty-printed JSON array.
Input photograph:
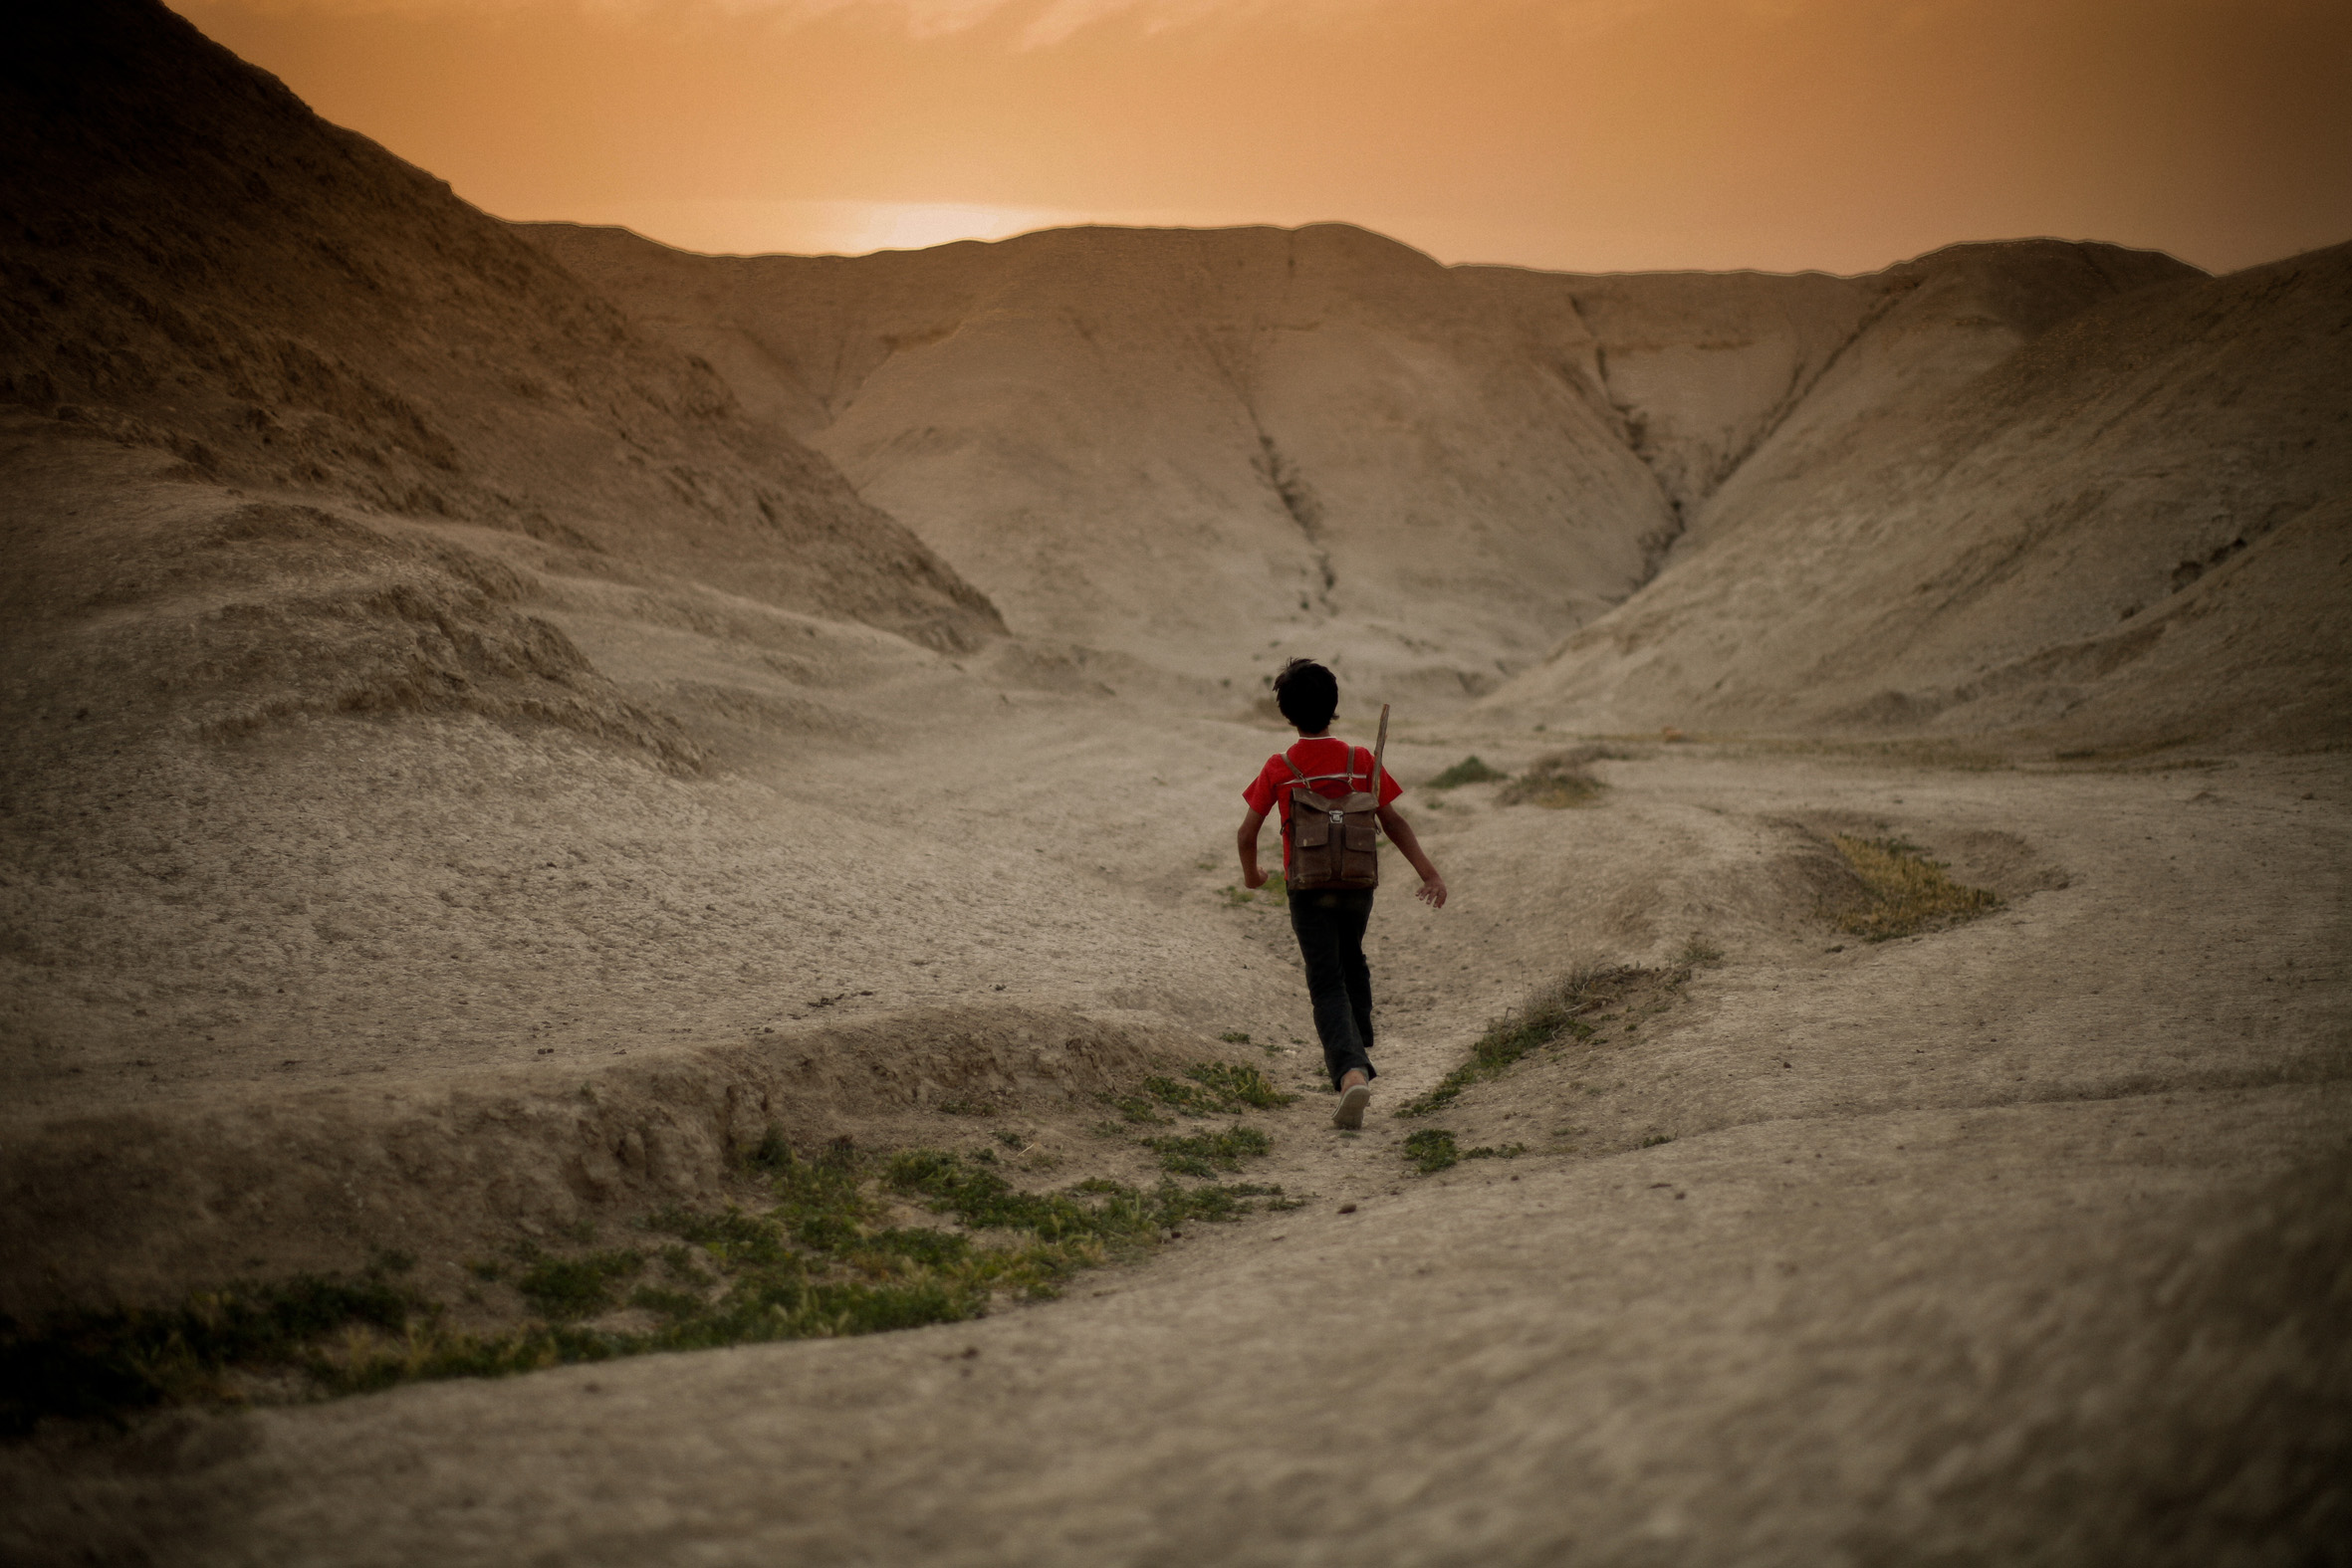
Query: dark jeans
[{"x": 1330, "y": 931}]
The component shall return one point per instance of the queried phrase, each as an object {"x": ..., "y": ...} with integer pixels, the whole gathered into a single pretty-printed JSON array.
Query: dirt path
[{"x": 1994, "y": 1242}]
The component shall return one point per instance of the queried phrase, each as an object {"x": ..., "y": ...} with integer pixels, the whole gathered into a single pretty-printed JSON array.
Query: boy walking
[{"x": 1329, "y": 922}]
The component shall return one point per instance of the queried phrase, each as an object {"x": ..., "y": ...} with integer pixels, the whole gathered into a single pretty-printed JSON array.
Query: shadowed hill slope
[
  {"x": 192, "y": 261},
  {"x": 2128, "y": 530}
]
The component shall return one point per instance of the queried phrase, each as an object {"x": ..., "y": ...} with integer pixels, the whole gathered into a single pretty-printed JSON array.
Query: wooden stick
[{"x": 1379, "y": 745}]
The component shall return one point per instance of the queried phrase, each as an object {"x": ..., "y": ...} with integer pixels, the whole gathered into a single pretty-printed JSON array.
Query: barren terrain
[{"x": 513, "y": 744}]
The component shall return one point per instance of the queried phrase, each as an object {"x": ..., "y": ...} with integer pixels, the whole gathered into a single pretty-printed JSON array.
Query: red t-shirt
[{"x": 1321, "y": 755}]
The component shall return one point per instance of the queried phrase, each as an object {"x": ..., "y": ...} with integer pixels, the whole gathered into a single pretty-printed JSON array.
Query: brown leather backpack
[{"x": 1334, "y": 842}]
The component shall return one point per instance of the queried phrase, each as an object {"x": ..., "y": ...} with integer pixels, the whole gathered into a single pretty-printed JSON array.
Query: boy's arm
[
  {"x": 1432, "y": 890},
  {"x": 1247, "y": 841}
]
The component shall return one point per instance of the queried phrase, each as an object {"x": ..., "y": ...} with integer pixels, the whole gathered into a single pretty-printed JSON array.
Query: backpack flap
[
  {"x": 1332, "y": 842},
  {"x": 1312, "y": 817}
]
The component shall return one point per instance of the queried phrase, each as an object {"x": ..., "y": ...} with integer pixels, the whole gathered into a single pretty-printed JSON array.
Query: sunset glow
[{"x": 1577, "y": 133}]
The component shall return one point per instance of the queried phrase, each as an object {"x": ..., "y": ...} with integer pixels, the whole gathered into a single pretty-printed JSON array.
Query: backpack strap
[{"x": 1347, "y": 778}]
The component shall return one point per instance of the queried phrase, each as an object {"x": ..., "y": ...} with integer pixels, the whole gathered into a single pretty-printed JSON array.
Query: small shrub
[
  {"x": 1556, "y": 781},
  {"x": 936, "y": 1248},
  {"x": 1903, "y": 892},
  {"x": 562, "y": 1289},
  {"x": 677, "y": 1262},
  {"x": 771, "y": 1153},
  {"x": 1469, "y": 770},
  {"x": 1698, "y": 953},
  {"x": 1137, "y": 1110},
  {"x": 1238, "y": 1083}
]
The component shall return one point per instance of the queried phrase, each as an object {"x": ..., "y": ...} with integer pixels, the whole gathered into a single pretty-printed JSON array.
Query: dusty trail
[{"x": 1967, "y": 1243}]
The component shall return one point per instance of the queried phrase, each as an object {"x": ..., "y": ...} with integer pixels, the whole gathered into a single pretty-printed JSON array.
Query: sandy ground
[{"x": 1947, "y": 1256}]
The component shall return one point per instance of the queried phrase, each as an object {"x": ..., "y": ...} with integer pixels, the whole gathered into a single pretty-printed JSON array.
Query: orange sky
[{"x": 1584, "y": 134}]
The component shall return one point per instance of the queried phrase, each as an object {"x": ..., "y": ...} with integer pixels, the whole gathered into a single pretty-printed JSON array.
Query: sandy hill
[
  {"x": 1705, "y": 368},
  {"x": 194, "y": 261},
  {"x": 2095, "y": 521},
  {"x": 1331, "y": 443},
  {"x": 349, "y": 539},
  {"x": 1194, "y": 447}
]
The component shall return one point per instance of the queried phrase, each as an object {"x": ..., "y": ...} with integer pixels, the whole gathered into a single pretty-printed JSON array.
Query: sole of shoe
[{"x": 1351, "y": 1114}]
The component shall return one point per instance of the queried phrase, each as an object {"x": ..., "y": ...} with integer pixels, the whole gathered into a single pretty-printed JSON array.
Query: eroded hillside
[
  {"x": 1336, "y": 445},
  {"x": 2127, "y": 530},
  {"x": 196, "y": 264},
  {"x": 1191, "y": 447}
]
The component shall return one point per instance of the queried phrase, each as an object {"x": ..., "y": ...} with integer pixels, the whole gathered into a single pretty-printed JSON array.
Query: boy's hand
[
  {"x": 1432, "y": 891},
  {"x": 1252, "y": 877}
]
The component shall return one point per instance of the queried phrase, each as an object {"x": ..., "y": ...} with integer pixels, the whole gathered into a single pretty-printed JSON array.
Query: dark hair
[{"x": 1306, "y": 693}]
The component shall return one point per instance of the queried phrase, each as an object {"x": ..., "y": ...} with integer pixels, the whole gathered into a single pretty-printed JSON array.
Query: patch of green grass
[
  {"x": 1214, "y": 1089},
  {"x": 1559, "y": 1009},
  {"x": 1137, "y": 1109},
  {"x": 1095, "y": 1213},
  {"x": 1469, "y": 770},
  {"x": 1433, "y": 1149},
  {"x": 564, "y": 1288},
  {"x": 1235, "y": 1037},
  {"x": 1556, "y": 781},
  {"x": 1235, "y": 1084},
  {"x": 1903, "y": 891},
  {"x": 1205, "y": 1154},
  {"x": 815, "y": 1260}
]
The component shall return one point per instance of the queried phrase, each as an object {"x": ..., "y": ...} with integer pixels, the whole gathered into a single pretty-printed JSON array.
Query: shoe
[{"x": 1351, "y": 1114}]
